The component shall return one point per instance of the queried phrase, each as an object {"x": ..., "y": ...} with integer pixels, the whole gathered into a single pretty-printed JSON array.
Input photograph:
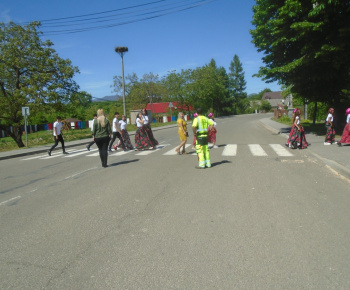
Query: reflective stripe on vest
[{"x": 200, "y": 129}]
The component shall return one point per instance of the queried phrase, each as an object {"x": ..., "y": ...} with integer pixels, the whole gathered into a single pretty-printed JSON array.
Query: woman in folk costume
[
  {"x": 125, "y": 134},
  {"x": 141, "y": 138},
  {"x": 297, "y": 135},
  {"x": 345, "y": 138},
  {"x": 148, "y": 129},
  {"x": 212, "y": 132},
  {"x": 330, "y": 134}
]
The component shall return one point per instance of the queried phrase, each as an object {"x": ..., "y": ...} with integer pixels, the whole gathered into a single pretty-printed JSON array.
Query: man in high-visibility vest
[{"x": 200, "y": 127}]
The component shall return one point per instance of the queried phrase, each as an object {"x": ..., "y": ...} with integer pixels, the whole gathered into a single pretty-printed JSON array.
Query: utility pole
[{"x": 121, "y": 50}]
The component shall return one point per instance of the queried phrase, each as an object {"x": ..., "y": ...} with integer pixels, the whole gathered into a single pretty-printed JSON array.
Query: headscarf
[
  {"x": 347, "y": 111},
  {"x": 210, "y": 115}
]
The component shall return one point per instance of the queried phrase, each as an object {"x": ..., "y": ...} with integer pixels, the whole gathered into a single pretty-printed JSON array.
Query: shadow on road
[
  {"x": 219, "y": 163},
  {"x": 124, "y": 162}
]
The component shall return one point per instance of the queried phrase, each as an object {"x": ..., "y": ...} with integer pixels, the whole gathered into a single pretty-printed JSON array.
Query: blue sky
[{"x": 217, "y": 29}]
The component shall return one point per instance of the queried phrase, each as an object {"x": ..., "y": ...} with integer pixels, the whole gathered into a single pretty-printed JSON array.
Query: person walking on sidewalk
[
  {"x": 200, "y": 126},
  {"x": 92, "y": 127},
  {"x": 345, "y": 138},
  {"x": 116, "y": 132},
  {"x": 182, "y": 133},
  {"x": 57, "y": 135},
  {"x": 102, "y": 134},
  {"x": 330, "y": 134}
]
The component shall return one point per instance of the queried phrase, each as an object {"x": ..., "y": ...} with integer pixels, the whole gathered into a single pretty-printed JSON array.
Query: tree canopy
[
  {"x": 31, "y": 74},
  {"x": 306, "y": 46}
]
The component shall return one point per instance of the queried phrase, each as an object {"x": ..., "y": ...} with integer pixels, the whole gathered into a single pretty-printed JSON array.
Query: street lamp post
[{"x": 121, "y": 50}]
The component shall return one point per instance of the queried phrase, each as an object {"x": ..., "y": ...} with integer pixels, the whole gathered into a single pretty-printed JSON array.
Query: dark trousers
[
  {"x": 102, "y": 144},
  {"x": 91, "y": 143},
  {"x": 58, "y": 139},
  {"x": 115, "y": 135}
]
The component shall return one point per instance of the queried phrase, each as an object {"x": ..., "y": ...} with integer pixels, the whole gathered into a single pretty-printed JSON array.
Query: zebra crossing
[{"x": 228, "y": 150}]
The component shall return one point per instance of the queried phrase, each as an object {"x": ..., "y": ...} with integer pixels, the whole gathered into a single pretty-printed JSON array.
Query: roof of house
[
  {"x": 272, "y": 95},
  {"x": 158, "y": 108}
]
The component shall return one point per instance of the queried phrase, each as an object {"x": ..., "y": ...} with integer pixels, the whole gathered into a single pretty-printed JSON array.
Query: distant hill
[{"x": 106, "y": 98}]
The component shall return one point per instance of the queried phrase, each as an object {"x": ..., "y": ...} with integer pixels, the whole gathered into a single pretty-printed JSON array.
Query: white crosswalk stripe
[
  {"x": 280, "y": 150},
  {"x": 256, "y": 150},
  {"x": 229, "y": 150}
]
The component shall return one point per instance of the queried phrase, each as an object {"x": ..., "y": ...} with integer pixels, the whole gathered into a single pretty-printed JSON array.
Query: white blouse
[
  {"x": 138, "y": 123},
  {"x": 145, "y": 119},
  {"x": 122, "y": 125},
  {"x": 348, "y": 118},
  {"x": 329, "y": 115}
]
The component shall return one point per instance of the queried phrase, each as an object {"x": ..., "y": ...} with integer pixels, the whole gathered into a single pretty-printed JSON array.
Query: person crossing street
[
  {"x": 57, "y": 135},
  {"x": 200, "y": 127}
]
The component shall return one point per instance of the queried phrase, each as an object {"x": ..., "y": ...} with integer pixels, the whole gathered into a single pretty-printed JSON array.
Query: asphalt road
[{"x": 152, "y": 221}]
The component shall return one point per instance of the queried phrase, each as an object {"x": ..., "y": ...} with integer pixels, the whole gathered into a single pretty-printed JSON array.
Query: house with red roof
[{"x": 163, "y": 108}]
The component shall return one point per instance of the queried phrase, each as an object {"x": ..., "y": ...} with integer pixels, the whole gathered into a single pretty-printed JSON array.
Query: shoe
[
  {"x": 339, "y": 144},
  {"x": 177, "y": 152},
  {"x": 88, "y": 148},
  {"x": 193, "y": 148},
  {"x": 327, "y": 143},
  {"x": 64, "y": 152},
  {"x": 198, "y": 167},
  {"x": 215, "y": 146},
  {"x": 287, "y": 145},
  {"x": 104, "y": 166},
  {"x": 49, "y": 152},
  {"x": 109, "y": 150}
]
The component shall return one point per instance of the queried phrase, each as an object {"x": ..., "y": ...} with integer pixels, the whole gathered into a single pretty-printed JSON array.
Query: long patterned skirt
[
  {"x": 149, "y": 132},
  {"x": 212, "y": 135},
  {"x": 141, "y": 139},
  {"x": 345, "y": 138},
  {"x": 126, "y": 139},
  {"x": 297, "y": 138},
  {"x": 330, "y": 134}
]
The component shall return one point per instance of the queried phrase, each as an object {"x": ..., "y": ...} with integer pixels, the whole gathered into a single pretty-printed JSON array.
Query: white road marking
[
  {"x": 6, "y": 201},
  {"x": 230, "y": 150},
  {"x": 71, "y": 176},
  {"x": 78, "y": 152},
  {"x": 280, "y": 150},
  {"x": 173, "y": 152},
  {"x": 256, "y": 150}
]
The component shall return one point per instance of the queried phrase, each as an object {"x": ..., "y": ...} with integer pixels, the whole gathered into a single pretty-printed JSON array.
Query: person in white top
[
  {"x": 116, "y": 132},
  {"x": 330, "y": 134},
  {"x": 141, "y": 137},
  {"x": 297, "y": 137},
  {"x": 147, "y": 128},
  {"x": 345, "y": 138},
  {"x": 57, "y": 135},
  {"x": 125, "y": 134},
  {"x": 92, "y": 129}
]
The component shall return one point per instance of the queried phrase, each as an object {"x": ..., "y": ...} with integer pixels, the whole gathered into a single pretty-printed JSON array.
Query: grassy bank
[{"x": 45, "y": 137}]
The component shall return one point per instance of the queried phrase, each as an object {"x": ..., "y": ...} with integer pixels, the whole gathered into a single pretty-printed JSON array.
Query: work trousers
[
  {"x": 203, "y": 155},
  {"x": 58, "y": 139},
  {"x": 102, "y": 144},
  {"x": 115, "y": 135}
]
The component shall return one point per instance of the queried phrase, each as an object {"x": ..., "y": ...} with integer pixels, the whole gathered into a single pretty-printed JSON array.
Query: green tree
[
  {"x": 237, "y": 85},
  {"x": 306, "y": 46},
  {"x": 31, "y": 74}
]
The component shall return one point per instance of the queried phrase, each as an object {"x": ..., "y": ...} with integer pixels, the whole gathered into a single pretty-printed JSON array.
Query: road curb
[{"x": 338, "y": 168}]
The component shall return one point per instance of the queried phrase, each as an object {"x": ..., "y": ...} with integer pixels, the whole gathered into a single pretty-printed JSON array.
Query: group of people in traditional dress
[{"x": 297, "y": 135}]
